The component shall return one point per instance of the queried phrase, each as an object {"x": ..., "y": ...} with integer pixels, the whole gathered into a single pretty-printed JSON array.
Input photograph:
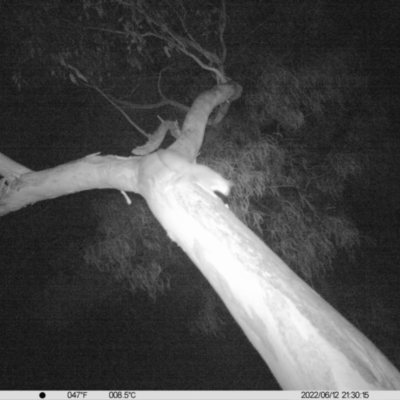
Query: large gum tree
[{"x": 306, "y": 343}]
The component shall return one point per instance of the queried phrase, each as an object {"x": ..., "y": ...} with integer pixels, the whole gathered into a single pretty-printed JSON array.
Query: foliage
[
  {"x": 132, "y": 248},
  {"x": 292, "y": 156},
  {"x": 110, "y": 43},
  {"x": 127, "y": 246},
  {"x": 208, "y": 321},
  {"x": 293, "y": 208}
]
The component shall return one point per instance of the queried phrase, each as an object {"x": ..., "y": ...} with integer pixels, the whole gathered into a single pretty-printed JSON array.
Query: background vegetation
[{"x": 311, "y": 148}]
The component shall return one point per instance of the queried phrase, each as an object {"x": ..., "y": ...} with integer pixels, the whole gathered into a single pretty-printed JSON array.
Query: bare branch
[
  {"x": 222, "y": 26},
  {"x": 157, "y": 137},
  {"x": 169, "y": 101},
  {"x": 160, "y": 30},
  {"x": 109, "y": 99},
  {"x": 90, "y": 172},
  {"x": 184, "y": 26},
  {"x": 162, "y": 103},
  {"x": 179, "y": 43}
]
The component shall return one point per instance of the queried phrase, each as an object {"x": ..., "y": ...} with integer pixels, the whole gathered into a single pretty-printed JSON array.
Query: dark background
[{"x": 64, "y": 330}]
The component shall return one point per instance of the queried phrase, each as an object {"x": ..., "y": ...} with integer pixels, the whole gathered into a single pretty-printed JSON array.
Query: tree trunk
[{"x": 306, "y": 343}]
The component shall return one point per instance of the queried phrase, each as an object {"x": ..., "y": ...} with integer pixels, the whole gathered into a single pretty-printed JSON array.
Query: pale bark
[
  {"x": 21, "y": 186},
  {"x": 305, "y": 342}
]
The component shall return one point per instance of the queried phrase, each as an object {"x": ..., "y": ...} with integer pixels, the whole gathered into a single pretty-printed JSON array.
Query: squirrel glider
[{"x": 200, "y": 175}]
